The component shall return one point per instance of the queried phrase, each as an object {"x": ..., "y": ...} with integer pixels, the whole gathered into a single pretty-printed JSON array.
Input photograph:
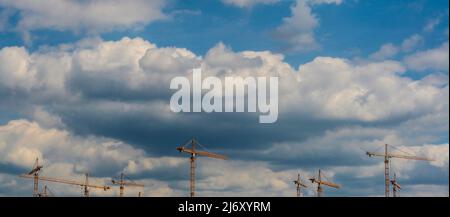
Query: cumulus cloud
[
  {"x": 27, "y": 140},
  {"x": 298, "y": 29},
  {"x": 409, "y": 44},
  {"x": 438, "y": 153},
  {"x": 317, "y": 2},
  {"x": 389, "y": 50},
  {"x": 69, "y": 156},
  {"x": 45, "y": 119},
  {"x": 386, "y": 51},
  {"x": 91, "y": 16},
  {"x": 131, "y": 69},
  {"x": 434, "y": 59},
  {"x": 105, "y": 103},
  {"x": 248, "y": 3},
  {"x": 357, "y": 91},
  {"x": 114, "y": 74},
  {"x": 21, "y": 71}
]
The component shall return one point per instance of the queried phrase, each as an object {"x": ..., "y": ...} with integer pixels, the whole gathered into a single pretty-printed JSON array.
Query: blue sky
[
  {"x": 354, "y": 28},
  {"x": 84, "y": 87}
]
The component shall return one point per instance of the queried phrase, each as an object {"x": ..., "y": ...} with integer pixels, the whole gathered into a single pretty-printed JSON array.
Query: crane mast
[
  {"x": 299, "y": 184},
  {"x": 193, "y": 156},
  {"x": 395, "y": 186},
  {"x": 386, "y": 171},
  {"x": 321, "y": 182},
  {"x": 387, "y": 156},
  {"x": 35, "y": 172},
  {"x": 122, "y": 183}
]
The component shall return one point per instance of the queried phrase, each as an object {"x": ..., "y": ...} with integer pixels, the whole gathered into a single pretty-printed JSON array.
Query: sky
[{"x": 84, "y": 86}]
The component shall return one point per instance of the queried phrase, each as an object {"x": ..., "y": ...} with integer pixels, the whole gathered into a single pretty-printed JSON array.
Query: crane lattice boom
[
  {"x": 321, "y": 182},
  {"x": 122, "y": 183},
  {"x": 194, "y": 153},
  {"x": 387, "y": 156},
  {"x": 70, "y": 182}
]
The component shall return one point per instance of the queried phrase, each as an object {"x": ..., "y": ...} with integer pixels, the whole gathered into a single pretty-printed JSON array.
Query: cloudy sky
[{"x": 84, "y": 86}]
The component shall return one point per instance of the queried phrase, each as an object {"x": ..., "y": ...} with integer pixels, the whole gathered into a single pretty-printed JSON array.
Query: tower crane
[
  {"x": 321, "y": 182},
  {"x": 387, "y": 156},
  {"x": 34, "y": 173},
  {"x": 122, "y": 183},
  {"x": 299, "y": 184},
  {"x": 84, "y": 184},
  {"x": 194, "y": 153},
  {"x": 395, "y": 186}
]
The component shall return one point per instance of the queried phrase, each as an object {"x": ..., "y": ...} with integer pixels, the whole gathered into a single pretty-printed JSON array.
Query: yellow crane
[
  {"x": 194, "y": 153},
  {"x": 299, "y": 184},
  {"x": 395, "y": 186},
  {"x": 84, "y": 184},
  {"x": 387, "y": 156},
  {"x": 122, "y": 183},
  {"x": 321, "y": 182},
  {"x": 34, "y": 174}
]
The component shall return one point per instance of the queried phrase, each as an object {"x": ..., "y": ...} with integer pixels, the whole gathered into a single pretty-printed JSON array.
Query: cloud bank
[{"x": 88, "y": 103}]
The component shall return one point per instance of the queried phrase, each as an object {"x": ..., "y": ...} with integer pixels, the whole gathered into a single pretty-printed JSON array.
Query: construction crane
[
  {"x": 194, "y": 153},
  {"x": 321, "y": 182},
  {"x": 34, "y": 173},
  {"x": 84, "y": 184},
  {"x": 122, "y": 183},
  {"x": 387, "y": 156},
  {"x": 395, "y": 186},
  {"x": 299, "y": 184}
]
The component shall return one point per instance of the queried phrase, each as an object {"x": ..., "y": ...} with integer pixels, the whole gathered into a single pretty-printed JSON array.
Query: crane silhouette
[
  {"x": 387, "y": 157},
  {"x": 192, "y": 150}
]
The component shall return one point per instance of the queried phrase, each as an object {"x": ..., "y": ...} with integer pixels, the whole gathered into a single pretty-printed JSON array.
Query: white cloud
[
  {"x": 221, "y": 56},
  {"x": 91, "y": 16},
  {"x": 27, "y": 140},
  {"x": 434, "y": 59},
  {"x": 324, "y": 89},
  {"x": 411, "y": 43},
  {"x": 339, "y": 89},
  {"x": 423, "y": 190},
  {"x": 248, "y": 178},
  {"x": 390, "y": 50},
  {"x": 248, "y": 3},
  {"x": 67, "y": 156},
  {"x": 136, "y": 69},
  {"x": 318, "y": 2},
  {"x": 438, "y": 153},
  {"x": 386, "y": 51},
  {"x": 298, "y": 29},
  {"x": 14, "y": 67},
  {"x": 45, "y": 119}
]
